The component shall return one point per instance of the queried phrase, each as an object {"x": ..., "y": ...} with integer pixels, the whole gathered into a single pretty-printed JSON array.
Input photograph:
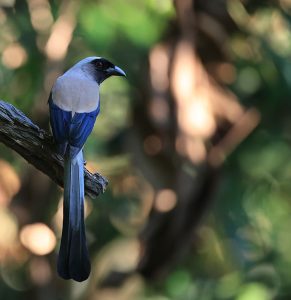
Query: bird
[{"x": 74, "y": 104}]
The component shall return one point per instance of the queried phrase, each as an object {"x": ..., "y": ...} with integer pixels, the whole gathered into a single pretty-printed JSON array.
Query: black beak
[{"x": 115, "y": 71}]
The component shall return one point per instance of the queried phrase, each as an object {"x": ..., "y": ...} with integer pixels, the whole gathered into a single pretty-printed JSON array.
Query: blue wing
[{"x": 71, "y": 133}]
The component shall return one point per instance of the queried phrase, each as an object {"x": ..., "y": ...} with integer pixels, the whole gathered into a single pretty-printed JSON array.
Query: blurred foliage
[{"x": 242, "y": 248}]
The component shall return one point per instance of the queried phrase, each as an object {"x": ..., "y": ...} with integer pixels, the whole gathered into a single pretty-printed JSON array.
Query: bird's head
[{"x": 99, "y": 68}]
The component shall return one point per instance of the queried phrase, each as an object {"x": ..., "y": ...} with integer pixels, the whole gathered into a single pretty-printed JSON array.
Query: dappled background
[{"x": 195, "y": 145}]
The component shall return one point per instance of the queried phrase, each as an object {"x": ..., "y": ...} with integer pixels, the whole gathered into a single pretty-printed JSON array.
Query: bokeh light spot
[
  {"x": 8, "y": 229},
  {"x": 165, "y": 201},
  {"x": 60, "y": 38},
  {"x": 197, "y": 119},
  {"x": 40, "y": 12},
  {"x": 14, "y": 56},
  {"x": 159, "y": 65},
  {"x": 38, "y": 238},
  {"x": 254, "y": 291},
  {"x": 178, "y": 282},
  {"x": 196, "y": 150},
  {"x": 248, "y": 80}
]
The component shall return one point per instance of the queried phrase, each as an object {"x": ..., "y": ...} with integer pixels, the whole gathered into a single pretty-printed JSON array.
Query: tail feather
[{"x": 73, "y": 260}]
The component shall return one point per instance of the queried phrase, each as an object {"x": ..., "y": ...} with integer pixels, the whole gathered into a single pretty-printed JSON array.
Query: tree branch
[{"x": 36, "y": 145}]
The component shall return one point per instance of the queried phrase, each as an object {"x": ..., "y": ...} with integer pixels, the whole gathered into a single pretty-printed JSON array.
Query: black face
[
  {"x": 102, "y": 64},
  {"x": 104, "y": 69}
]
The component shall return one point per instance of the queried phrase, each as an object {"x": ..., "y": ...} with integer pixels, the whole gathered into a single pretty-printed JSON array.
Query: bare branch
[{"x": 36, "y": 145}]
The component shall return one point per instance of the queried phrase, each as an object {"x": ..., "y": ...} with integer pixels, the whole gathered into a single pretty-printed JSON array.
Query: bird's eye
[{"x": 99, "y": 64}]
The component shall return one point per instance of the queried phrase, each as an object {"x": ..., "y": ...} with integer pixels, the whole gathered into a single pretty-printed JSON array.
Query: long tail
[{"x": 73, "y": 260}]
